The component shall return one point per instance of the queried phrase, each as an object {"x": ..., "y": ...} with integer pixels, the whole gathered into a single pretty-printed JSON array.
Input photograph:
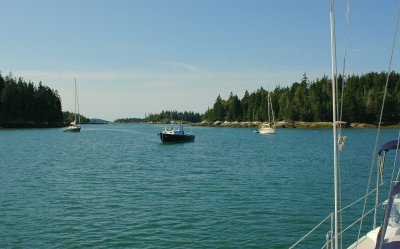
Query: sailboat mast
[
  {"x": 335, "y": 170},
  {"x": 272, "y": 111},
  {"x": 269, "y": 109},
  {"x": 75, "y": 101}
]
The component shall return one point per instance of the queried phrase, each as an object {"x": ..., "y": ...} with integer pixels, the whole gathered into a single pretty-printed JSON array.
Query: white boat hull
[
  {"x": 73, "y": 128},
  {"x": 267, "y": 131}
]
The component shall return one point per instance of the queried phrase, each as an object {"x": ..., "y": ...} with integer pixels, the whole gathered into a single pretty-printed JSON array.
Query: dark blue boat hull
[{"x": 174, "y": 138}]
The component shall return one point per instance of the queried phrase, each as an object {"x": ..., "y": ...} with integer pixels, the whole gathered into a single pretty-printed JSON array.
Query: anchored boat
[
  {"x": 268, "y": 128},
  {"x": 75, "y": 125},
  {"x": 175, "y": 134}
]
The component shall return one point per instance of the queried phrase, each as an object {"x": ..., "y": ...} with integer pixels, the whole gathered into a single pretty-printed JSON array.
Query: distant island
[
  {"x": 165, "y": 117},
  {"x": 98, "y": 121}
]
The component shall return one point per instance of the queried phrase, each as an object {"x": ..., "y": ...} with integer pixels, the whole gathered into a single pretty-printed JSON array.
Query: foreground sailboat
[
  {"x": 75, "y": 125},
  {"x": 387, "y": 235}
]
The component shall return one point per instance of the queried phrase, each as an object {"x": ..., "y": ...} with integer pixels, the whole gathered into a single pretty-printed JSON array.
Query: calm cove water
[{"x": 117, "y": 186}]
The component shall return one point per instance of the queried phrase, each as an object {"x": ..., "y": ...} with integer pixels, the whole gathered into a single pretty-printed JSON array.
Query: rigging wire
[
  {"x": 344, "y": 66},
  {"x": 334, "y": 116},
  {"x": 341, "y": 139},
  {"x": 379, "y": 123},
  {"x": 342, "y": 210}
]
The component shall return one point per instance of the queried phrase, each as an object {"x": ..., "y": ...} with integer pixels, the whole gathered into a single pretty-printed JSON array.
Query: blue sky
[{"x": 143, "y": 56}]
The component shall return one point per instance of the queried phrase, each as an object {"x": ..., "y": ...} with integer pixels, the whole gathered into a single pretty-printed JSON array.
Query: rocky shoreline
[{"x": 295, "y": 124}]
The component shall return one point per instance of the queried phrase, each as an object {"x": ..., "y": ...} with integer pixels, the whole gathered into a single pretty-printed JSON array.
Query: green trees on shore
[
  {"x": 23, "y": 104},
  {"x": 69, "y": 117},
  {"x": 311, "y": 101},
  {"x": 165, "y": 117}
]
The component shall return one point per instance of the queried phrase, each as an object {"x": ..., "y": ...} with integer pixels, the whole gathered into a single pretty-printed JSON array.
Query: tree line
[
  {"x": 312, "y": 101},
  {"x": 69, "y": 117},
  {"x": 24, "y": 104},
  {"x": 165, "y": 117}
]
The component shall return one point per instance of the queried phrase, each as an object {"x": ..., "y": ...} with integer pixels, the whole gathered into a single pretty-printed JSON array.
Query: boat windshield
[
  {"x": 179, "y": 132},
  {"x": 174, "y": 130}
]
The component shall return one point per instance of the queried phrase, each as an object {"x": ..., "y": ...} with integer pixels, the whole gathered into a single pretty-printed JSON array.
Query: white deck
[{"x": 366, "y": 242}]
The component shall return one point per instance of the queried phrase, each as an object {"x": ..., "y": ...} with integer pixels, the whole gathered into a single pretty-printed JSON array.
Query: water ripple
[{"x": 117, "y": 186}]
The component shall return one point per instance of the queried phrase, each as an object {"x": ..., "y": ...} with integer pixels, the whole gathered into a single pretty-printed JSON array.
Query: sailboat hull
[
  {"x": 73, "y": 129},
  {"x": 267, "y": 131}
]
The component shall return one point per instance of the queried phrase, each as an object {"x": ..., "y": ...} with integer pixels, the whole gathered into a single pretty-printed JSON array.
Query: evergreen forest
[
  {"x": 69, "y": 117},
  {"x": 312, "y": 101},
  {"x": 165, "y": 117},
  {"x": 22, "y": 104}
]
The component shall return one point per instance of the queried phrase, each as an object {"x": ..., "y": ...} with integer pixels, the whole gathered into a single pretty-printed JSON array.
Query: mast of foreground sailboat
[{"x": 335, "y": 170}]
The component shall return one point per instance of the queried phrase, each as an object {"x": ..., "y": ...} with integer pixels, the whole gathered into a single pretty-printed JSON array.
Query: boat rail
[
  {"x": 329, "y": 237},
  {"x": 329, "y": 234}
]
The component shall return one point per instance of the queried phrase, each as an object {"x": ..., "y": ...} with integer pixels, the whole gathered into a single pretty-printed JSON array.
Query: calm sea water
[{"x": 117, "y": 186}]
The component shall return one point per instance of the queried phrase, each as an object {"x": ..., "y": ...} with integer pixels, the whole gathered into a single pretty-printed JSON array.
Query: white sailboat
[
  {"x": 387, "y": 234},
  {"x": 75, "y": 125},
  {"x": 268, "y": 128}
]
